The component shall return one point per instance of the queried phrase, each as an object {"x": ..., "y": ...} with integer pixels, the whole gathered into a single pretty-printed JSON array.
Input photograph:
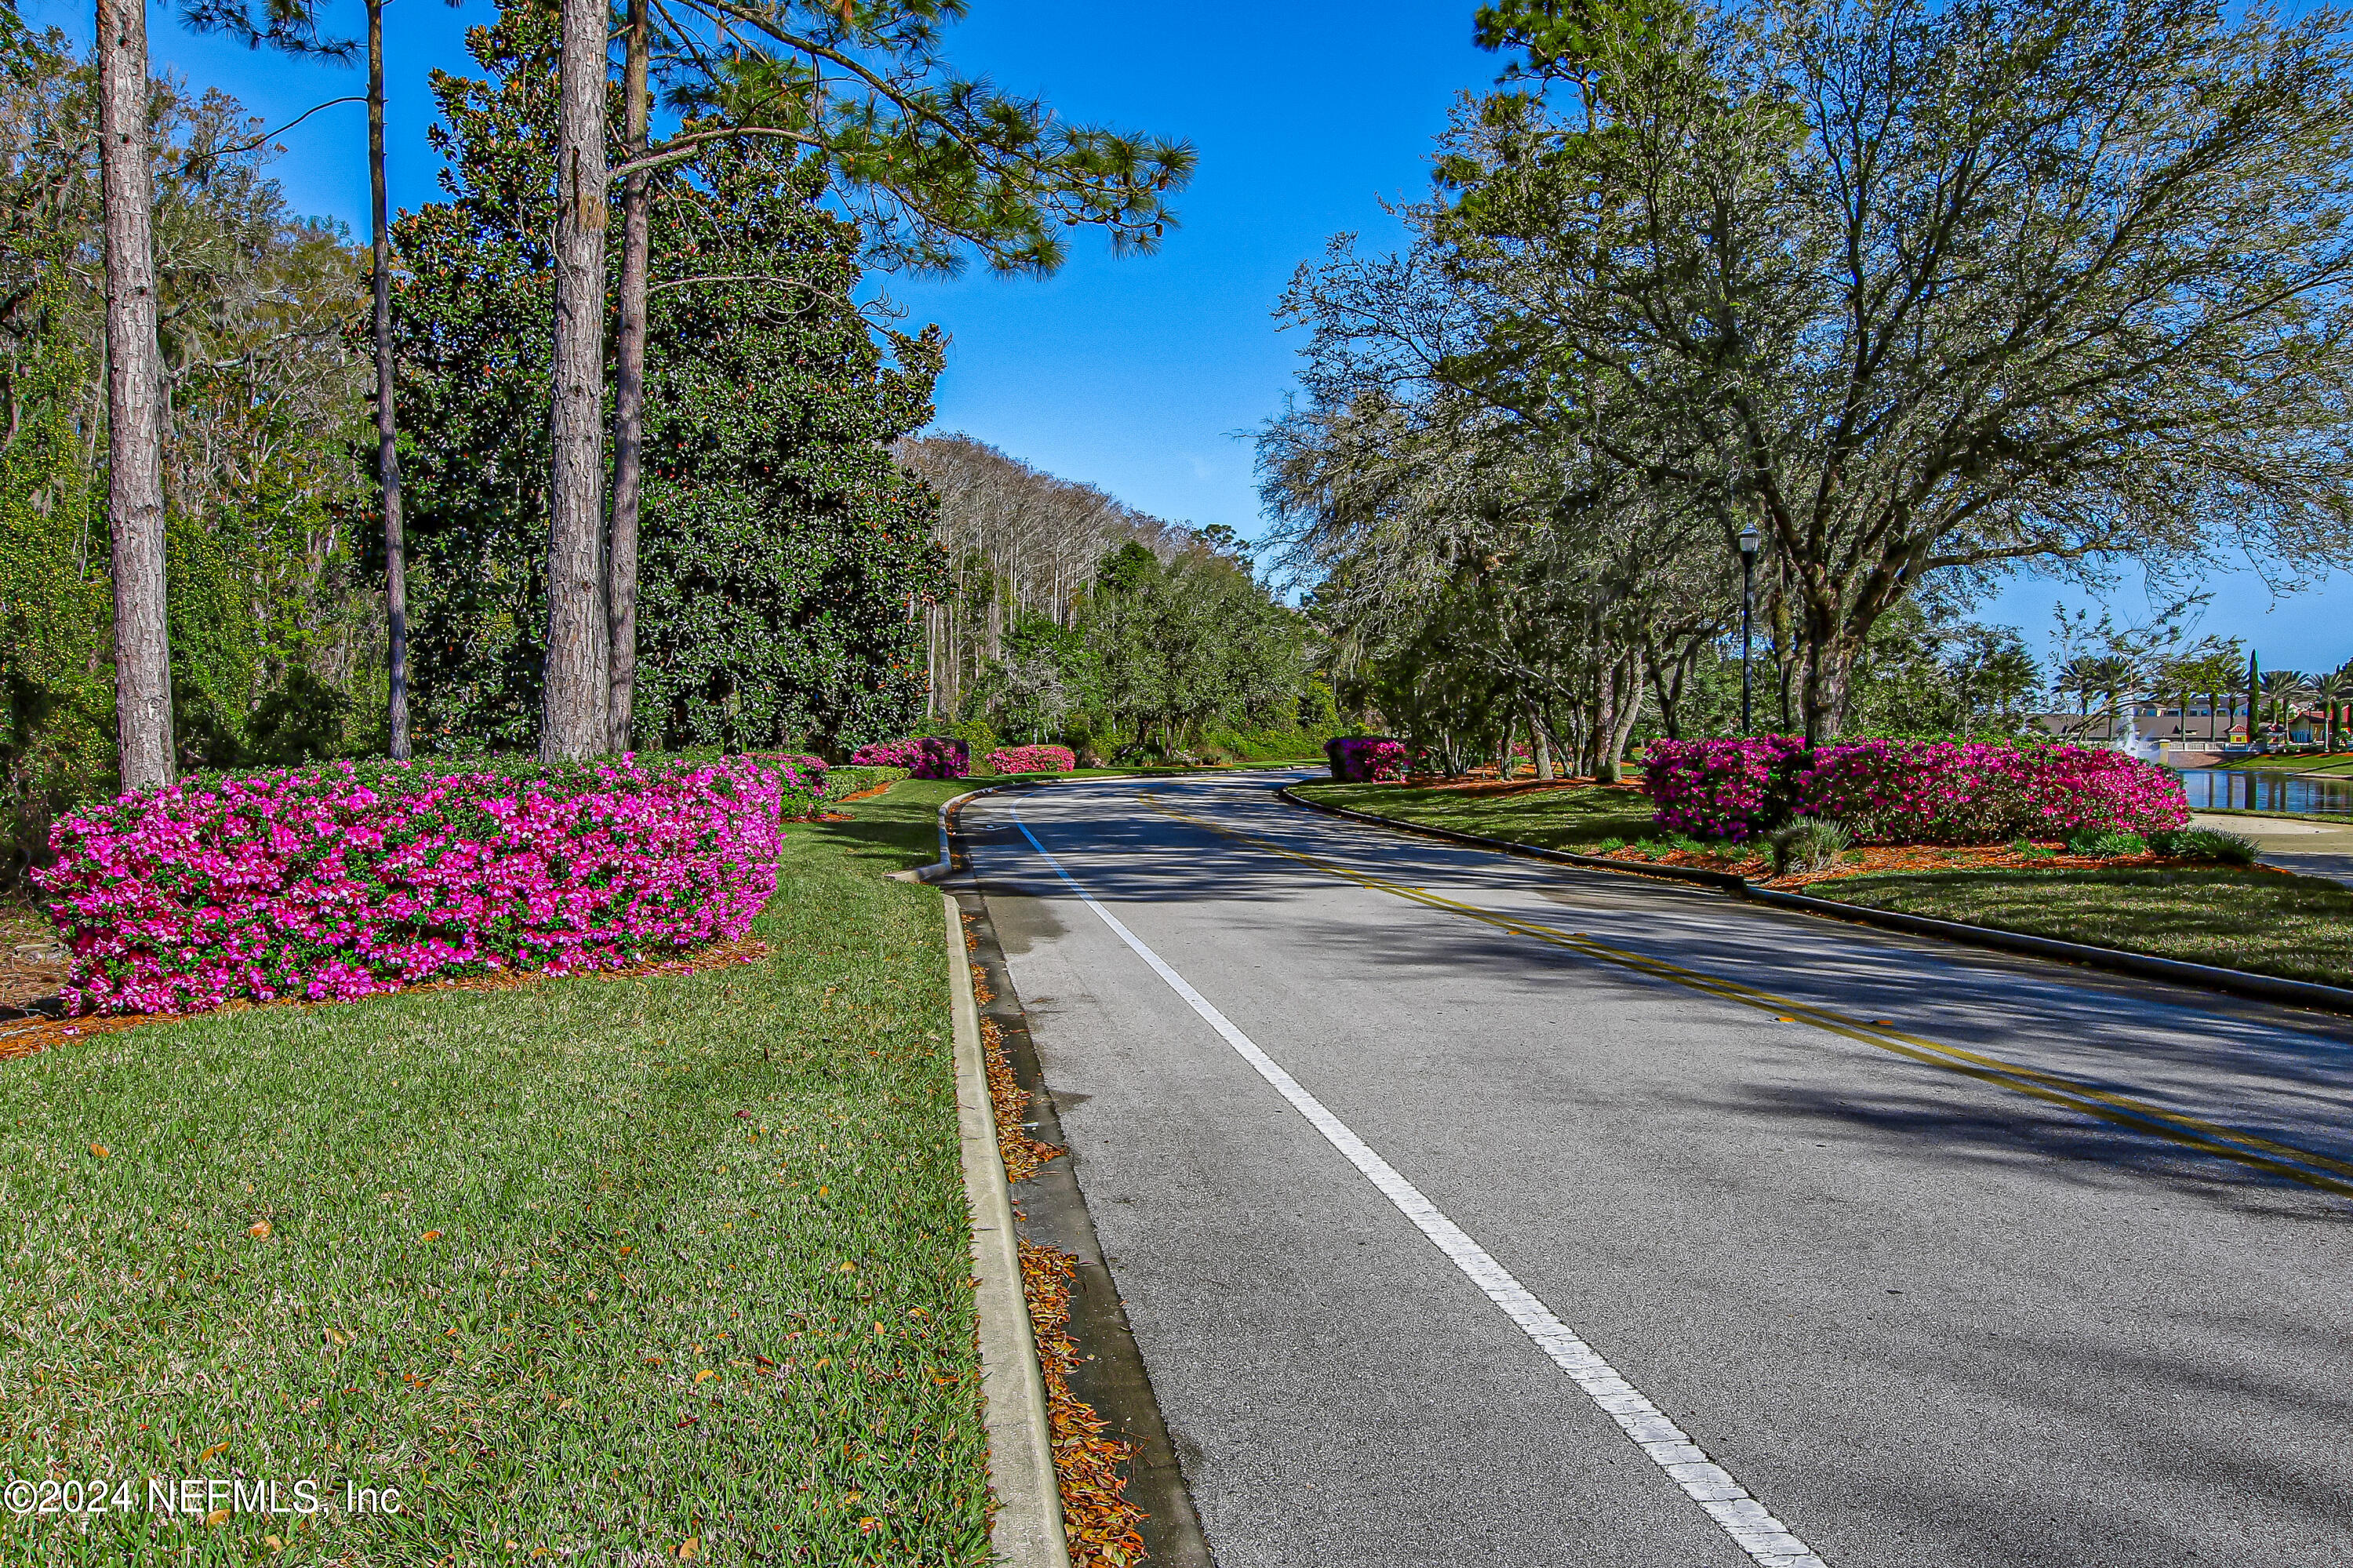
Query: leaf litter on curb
[
  {"x": 1089, "y": 1469},
  {"x": 1101, "y": 1525}
]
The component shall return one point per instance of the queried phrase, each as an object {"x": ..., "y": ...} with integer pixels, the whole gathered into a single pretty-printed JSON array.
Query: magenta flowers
[
  {"x": 1365, "y": 759},
  {"x": 1909, "y": 791},
  {"x": 338, "y": 881},
  {"x": 924, "y": 755},
  {"x": 1032, "y": 759}
]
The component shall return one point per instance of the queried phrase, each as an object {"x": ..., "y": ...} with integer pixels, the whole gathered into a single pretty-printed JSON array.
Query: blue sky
[{"x": 1145, "y": 375}]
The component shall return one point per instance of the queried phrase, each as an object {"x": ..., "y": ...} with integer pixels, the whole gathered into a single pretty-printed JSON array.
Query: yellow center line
[{"x": 2212, "y": 1137}]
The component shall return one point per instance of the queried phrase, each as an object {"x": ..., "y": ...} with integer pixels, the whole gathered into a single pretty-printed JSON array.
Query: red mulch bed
[
  {"x": 1758, "y": 865},
  {"x": 1483, "y": 784}
]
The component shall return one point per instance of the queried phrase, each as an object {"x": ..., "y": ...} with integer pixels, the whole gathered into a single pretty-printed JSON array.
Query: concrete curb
[
  {"x": 1027, "y": 1531},
  {"x": 2175, "y": 971}
]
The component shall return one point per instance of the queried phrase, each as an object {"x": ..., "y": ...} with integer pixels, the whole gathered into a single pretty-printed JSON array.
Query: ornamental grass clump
[
  {"x": 334, "y": 882},
  {"x": 1032, "y": 759},
  {"x": 1365, "y": 759},
  {"x": 1910, "y": 791},
  {"x": 1809, "y": 844},
  {"x": 923, "y": 756}
]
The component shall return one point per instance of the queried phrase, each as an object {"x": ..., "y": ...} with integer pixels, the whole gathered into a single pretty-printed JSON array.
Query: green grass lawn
[
  {"x": 586, "y": 1269},
  {"x": 2298, "y": 927},
  {"x": 1574, "y": 818},
  {"x": 2316, "y": 762}
]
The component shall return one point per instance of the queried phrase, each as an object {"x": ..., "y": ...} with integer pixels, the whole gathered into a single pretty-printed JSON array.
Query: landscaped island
[{"x": 2057, "y": 841}]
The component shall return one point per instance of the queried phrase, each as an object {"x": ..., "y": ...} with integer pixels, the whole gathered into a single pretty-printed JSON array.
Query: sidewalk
[{"x": 2307, "y": 849}]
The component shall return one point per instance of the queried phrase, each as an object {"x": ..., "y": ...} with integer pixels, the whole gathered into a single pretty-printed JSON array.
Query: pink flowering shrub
[
  {"x": 337, "y": 880},
  {"x": 923, "y": 756},
  {"x": 1713, "y": 789},
  {"x": 1910, "y": 791},
  {"x": 1032, "y": 759},
  {"x": 805, "y": 771},
  {"x": 1365, "y": 759}
]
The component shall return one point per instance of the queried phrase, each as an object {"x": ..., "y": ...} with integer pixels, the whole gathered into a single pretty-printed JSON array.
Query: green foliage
[
  {"x": 2106, "y": 843},
  {"x": 1189, "y": 643},
  {"x": 781, "y": 550},
  {"x": 849, "y": 778},
  {"x": 56, "y": 705},
  {"x": 267, "y": 620},
  {"x": 2205, "y": 844}
]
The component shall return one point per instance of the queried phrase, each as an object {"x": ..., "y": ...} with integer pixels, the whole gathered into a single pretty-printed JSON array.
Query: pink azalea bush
[
  {"x": 1712, "y": 788},
  {"x": 334, "y": 882},
  {"x": 1911, "y": 791},
  {"x": 1365, "y": 759},
  {"x": 924, "y": 756},
  {"x": 1032, "y": 759}
]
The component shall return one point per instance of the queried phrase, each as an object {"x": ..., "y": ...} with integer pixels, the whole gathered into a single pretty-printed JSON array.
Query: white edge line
[{"x": 1764, "y": 1538}]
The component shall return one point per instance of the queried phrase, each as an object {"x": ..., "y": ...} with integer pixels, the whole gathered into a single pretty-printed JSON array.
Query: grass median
[
  {"x": 590, "y": 1268},
  {"x": 2298, "y": 928},
  {"x": 1574, "y": 817}
]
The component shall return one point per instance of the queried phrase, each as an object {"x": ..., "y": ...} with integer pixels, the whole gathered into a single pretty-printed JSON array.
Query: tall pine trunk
[
  {"x": 135, "y": 402},
  {"x": 629, "y": 390},
  {"x": 387, "y": 428},
  {"x": 577, "y": 698}
]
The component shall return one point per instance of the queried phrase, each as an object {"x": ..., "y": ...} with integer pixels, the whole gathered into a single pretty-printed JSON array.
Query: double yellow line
[{"x": 2303, "y": 1165}]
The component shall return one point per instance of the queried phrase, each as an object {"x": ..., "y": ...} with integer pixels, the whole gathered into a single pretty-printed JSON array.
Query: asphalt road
[{"x": 1832, "y": 1202}]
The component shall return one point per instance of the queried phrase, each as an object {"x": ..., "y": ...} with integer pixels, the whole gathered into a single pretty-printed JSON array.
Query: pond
[{"x": 2254, "y": 789}]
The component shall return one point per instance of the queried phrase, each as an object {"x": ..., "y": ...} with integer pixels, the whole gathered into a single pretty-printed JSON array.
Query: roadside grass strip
[
  {"x": 2305, "y": 1166},
  {"x": 672, "y": 1266},
  {"x": 1556, "y": 816},
  {"x": 1764, "y": 1538},
  {"x": 2297, "y": 927}
]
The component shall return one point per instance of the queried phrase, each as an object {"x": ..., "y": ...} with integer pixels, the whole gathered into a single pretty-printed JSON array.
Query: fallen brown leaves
[
  {"x": 25, "y": 1037},
  {"x": 1100, "y": 1523},
  {"x": 1022, "y": 1153}
]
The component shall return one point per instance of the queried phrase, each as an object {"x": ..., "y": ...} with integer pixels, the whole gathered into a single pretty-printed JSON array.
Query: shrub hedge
[
  {"x": 924, "y": 756},
  {"x": 336, "y": 881},
  {"x": 1032, "y": 759},
  {"x": 1909, "y": 791},
  {"x": 1365, "y": 759}
]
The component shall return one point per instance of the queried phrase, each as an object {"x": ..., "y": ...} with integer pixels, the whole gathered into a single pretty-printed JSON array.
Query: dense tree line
[
  {"x": 1069, "y": 615},
  {"x": 272, "y": 626},
  {"x": 782, "y": 109},
  {"x": 1021, "y": 545},
  {"x": 780, "y": 548}
]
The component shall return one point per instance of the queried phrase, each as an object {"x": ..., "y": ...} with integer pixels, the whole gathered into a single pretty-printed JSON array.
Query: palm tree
[
  {"x": 2080, "y": 678},
  {"x": 2283, "y": 689},
  {"x": 2334, "y": 690},
  {"x": 2113, "y": 675}
]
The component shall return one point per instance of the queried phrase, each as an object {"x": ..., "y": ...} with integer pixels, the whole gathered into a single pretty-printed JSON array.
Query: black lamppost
[{"x": 1747, "y": 604}]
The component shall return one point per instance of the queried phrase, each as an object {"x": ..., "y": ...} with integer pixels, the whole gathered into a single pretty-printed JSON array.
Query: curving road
[{"x": 1468, "y": 1210}]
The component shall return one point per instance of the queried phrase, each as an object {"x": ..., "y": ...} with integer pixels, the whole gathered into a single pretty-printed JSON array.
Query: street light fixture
[{"x": 1748, "y": 543}]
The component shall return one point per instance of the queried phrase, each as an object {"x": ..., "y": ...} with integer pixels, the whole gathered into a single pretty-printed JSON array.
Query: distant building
[{"x": 2202, "y": 725}]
